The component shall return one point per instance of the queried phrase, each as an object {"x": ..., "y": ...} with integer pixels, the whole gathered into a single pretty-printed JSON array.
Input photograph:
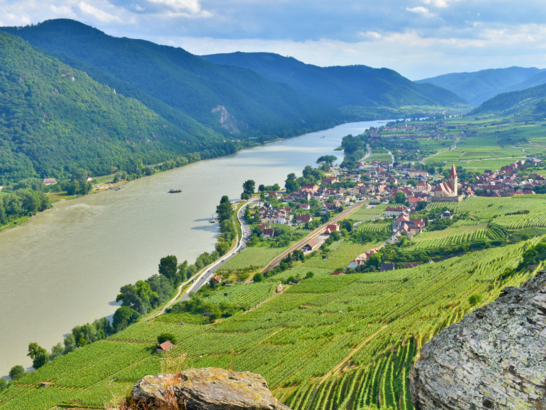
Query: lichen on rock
[
  {"x": 204, "y": 389},
  {"x": 495, "y": 358}
]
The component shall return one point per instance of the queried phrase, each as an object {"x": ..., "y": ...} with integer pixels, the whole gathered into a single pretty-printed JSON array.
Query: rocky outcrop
[
  {"x": 228, "y": 120},
  {"x": 495, "y": 358},
  {"x": 205, "y": 389}
]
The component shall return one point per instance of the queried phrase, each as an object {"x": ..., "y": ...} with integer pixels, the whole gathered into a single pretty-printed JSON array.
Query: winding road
[{"x": 203, "y": 277}]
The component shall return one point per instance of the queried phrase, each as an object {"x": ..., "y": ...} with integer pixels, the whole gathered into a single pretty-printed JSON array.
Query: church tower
[{"x": 454, "y": 179}]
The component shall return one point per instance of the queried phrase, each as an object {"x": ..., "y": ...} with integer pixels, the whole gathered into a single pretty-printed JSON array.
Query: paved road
[
  {"x": 206, "y": 276},
  {"x": 313, "y": 235}
]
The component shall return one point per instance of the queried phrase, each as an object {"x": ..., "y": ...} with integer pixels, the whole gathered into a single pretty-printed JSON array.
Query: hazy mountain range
[{"x": 480, "y": 86}]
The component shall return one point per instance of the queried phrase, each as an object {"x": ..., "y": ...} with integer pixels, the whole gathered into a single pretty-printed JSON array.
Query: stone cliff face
[
  {"x": 204, "y": 389},
  {"x": 495, "y": 358}
]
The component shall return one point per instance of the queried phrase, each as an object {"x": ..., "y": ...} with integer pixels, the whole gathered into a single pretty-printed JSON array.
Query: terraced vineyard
[
  {"x": 384, "y": 226},
  {"x": 330, "y": 342}
]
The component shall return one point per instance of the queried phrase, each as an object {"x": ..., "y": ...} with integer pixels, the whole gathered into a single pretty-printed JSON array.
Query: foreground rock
[
  {"x": 204, "y": 389},
  {"x": 495, "y": 358}
]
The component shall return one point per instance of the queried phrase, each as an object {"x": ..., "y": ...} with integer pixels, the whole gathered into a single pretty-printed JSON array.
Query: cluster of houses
[{"x": 503, "y": 183}]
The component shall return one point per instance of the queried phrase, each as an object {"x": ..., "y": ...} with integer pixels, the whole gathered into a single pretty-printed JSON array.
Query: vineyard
[
  {"x": 365, "y": 214},
  {"x": 330, "y": 342},
  {"x": 384, "y": 226},
  {"x": 252, "y": 256}
]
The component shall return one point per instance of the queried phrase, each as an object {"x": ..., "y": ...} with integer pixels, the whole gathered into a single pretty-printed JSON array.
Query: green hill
[
  {"x": 479, "y": 86},
  {"x": 512, "y": 102},
  {"x": 227, "y": 99},
  {"x": 351, "y": 85},
  {"x": 54, "y": 118}
]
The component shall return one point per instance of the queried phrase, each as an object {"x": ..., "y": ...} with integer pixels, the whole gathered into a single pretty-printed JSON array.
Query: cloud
[
  {"x": 437, "y": 3},
  {"x": 421, "y": 10},
  {"x": 192, "y": 6},
  {"x": 97, "y": 13}
]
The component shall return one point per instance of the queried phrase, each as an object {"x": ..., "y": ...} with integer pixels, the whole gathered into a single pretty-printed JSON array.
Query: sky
[{"x": 418, "y": 38}]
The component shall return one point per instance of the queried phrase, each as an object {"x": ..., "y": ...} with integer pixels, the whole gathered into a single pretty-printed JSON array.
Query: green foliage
[
  {"x": 16, "y": 372},
  {"x": 168, "y": 266},
  {"x": 3, "y": 385},
  {"x": 38, "y": 354},
  {"x": 475, "y": 299},
  {"x": 165, "y": 336},
  {"x": 258, "y": 277},
  {"x": 22, "y": 202},
  {"x": 57, "y": 119}
]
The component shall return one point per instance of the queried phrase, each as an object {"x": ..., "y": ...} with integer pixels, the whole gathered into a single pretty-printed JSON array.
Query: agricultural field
[
  {"x": 382, "y": 226},
  {"x": 366, "y": 212},
  {"x": 252, "y": 256},
  {"x": 463, "y": 234},
  {"x": 330, "y": 342}
]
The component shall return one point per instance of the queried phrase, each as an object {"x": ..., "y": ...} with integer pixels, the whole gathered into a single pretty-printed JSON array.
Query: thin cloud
[
  {"x": 100, "y": 15},
  {"x": 421, "y": 10}
]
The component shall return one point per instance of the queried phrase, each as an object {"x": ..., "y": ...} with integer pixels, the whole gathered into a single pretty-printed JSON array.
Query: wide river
[{"x": 66, "y": 266}]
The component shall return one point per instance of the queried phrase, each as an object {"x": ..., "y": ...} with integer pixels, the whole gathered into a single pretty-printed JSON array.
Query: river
[{"x": 66, "y": 266}]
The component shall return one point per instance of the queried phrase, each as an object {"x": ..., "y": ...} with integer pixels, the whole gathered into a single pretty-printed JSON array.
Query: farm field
[
  {"x": 450, "y": 236},
  {"x": 330, "y": 342},
  {"x": 365, "y": 214},
  {"x": 252, "y": 256}
]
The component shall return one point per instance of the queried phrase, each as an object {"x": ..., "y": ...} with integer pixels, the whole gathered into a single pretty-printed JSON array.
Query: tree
[
  {"x": 400, "y": 197},
  {"x": 261, "y": 188},
  {"x": 165, "y": 336},
  {"x": 258, "y": 277},
  {"x": 328, "y": 159},
  {"x": 291, "y": 184},
  {"x": 249, "y": 187},
  {"x": 123, "y": 317},
  {"x": 38, "y": 354},
  {"x": 374, "y": 260},
  {"x": 412, "y": 182},
  {"x": 56, "y": 351},
  {"x": 16, "y": 372},
  {"x": 224, "y": 210},
  {"x": 69, "y": 344},
  {"x": 168, "y": 266},
  {"x": 309, "y": 275},
  {"x": 3, "y": 384}
]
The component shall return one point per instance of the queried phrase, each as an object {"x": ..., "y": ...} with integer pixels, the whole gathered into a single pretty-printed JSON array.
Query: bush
[
  {"x": 16, "y": 372},
  {"x": 163, "y": 337},
  {"x": 258, "y": 277},
  {"x": 475, "y": 299}
]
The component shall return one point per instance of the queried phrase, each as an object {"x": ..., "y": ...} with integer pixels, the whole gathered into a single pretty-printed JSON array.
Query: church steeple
[
  {"x": 453, "y": 173},
  {"x": 453, "y": 179}
]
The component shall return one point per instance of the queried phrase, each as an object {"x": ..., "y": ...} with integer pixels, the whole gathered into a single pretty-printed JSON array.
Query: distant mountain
[
  {"x": 350, "y": 85},
  {"x": 479, "y": 86},
  {"x": 227, "y": 99},
  {"x": 54, "y": 118},
  {"x": 514, "y": 102}
]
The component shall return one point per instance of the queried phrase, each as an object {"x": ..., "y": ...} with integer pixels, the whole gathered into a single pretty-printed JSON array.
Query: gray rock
[
  {"x": 205, "y": 389},
  {"x": 495, "y": 358}
]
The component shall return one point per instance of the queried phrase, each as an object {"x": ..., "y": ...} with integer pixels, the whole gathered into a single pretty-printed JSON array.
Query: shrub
[{"x": 163, "y": 337}]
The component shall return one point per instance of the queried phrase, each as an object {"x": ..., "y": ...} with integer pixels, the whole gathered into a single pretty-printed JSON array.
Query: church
[{"x": 447, "y": 191}]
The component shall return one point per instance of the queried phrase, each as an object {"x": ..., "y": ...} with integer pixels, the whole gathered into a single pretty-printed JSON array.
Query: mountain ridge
[
  {"x": 357, "y": 85},
  {"x": 186, "y": 82},
  {"x": 479, "y": 86}
]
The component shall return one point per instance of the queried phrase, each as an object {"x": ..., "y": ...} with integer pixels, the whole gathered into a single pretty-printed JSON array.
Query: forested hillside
[
  {"x": 512, "y": 102},
  {"x": 350, "y": 85},
  {"x": 228, "y": 99},
  {"x": 54, "y": 119},
  {"x": 480, "y": 86}
]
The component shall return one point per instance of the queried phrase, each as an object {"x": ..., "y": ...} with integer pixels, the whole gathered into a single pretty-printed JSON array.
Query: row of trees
[{"x": 20, "y": 203}]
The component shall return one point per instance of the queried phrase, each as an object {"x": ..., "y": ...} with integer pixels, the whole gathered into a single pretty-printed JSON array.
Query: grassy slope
[
  {"x": 187, "y": 82},
  {"x": 55, "y": 117},
  {"x": 350, "y": 85}
]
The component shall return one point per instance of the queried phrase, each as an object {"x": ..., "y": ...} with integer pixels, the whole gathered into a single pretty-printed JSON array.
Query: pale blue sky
[{"x": 418, "y": 38}]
